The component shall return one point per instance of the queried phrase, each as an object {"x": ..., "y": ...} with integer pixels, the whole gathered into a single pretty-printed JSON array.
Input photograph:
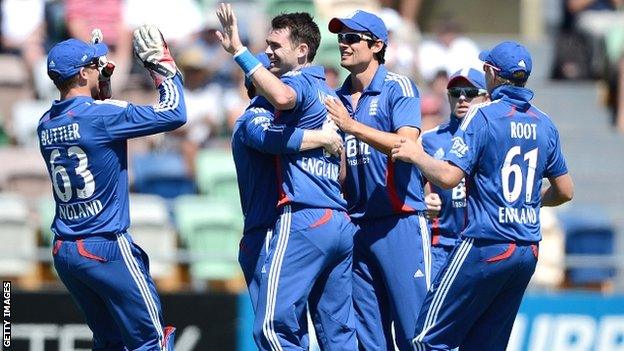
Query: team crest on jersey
[
  {"x": 439, "y": 154},
  {"x": 372, "y": 110},
  {"x": 459, "y": 147}
]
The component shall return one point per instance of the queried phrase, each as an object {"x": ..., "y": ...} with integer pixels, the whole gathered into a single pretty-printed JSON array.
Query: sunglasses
[
  {"x": 487, "y": 64},
  {"x": 467, "y": 92},
  {"x": 95, "y": 62},
  {"x": 352, "y": 38}
]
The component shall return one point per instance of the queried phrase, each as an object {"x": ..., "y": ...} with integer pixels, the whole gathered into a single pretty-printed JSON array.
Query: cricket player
[
  {"x": 83, "y": 142},
  {"x": 310, "y": 253},
  {"x": 465, "y": 88},
  {"x": 391, "y": 259},
  {"x": 255, "y": 144},
  {"x": 504, "y": 149}
]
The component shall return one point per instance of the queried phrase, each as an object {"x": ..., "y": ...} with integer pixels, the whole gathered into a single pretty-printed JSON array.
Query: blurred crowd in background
[{"x": 187, "y": 176}]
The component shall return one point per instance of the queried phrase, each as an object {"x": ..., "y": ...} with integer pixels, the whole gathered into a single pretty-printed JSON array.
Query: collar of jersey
[
  {"x": 61, "y": 106},
  {"x": 517, "y": 96},
  {"x": 316, "y": 71},
  {"x": 374, "y": 87}
]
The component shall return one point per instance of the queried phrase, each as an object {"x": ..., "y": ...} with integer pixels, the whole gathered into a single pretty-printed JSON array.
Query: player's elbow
[
  {"x": 450, "y": 177},
  {"x": 564, "y": 188},
  {"x": 283, "y": 103},
  {"x": 285, "y": 99},
  {"x": 566, "y": 195}
]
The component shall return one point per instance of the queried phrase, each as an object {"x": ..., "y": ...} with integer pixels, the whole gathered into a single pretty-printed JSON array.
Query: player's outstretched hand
[
  {"x": 230, "y": 40},
  {"x": 434, "y": 205},
  {"x": 150, "y": 47},
  {"x": 333, "y": 140},
  {"x": 406, "y": 150},
  {"x": 339, "y": 115}
]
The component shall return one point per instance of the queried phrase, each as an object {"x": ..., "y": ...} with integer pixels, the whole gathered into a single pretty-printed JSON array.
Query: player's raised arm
[
  {"x": 170, "y": 112},
  {"x": 281, "y": 96}
]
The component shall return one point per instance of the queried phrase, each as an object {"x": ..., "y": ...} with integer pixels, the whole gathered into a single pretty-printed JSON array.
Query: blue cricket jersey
[
  {"x": 310, "y": 178},
  {"x": 254, "y": 145},
  {"x": 83, "y": 143},
  {"x": 506, "y": 147},
  {"x": 375, "y": 186},
  {"x": 445, "y": 229}
]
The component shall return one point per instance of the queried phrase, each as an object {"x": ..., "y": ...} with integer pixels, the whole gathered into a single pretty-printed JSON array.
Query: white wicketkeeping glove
[
  {"x": 105, "y": 67},
  {"x": 150, "y": 47}
]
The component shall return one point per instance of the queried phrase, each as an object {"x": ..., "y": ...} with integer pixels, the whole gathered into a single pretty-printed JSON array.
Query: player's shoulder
[
  {"x": 430, "y": 136},
  {"x": 432, "y": 133},
  {"x": 476, "y": 115},
  {"x": 293, "y": 74},
  {"x": 109, "y": 106},
  {"x": 400, "y": 85}
]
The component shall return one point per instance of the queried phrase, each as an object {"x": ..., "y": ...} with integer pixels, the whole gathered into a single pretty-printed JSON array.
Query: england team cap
[
  {"x": 361, "y": 21},
  {"x": 67, "y": 57},
  {"x": 474, "y": 77},
  {"x": 264, "y": 60},
  {"x": 513, "y": 60}
]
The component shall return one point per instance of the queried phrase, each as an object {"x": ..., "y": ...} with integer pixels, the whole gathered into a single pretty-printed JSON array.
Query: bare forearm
[
  {"x": 437, "y": 171},
  {"x": 551, "y": 197},
  {"x": 280, "y": 95},
  {"x": 380, "y": 140},
  {"x": 312, "y": 139}
]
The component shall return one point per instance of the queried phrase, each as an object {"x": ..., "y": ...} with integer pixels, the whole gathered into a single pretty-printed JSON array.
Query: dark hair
[
  {"x": 504, "y": 81},
  {"x": 381, "y": 55},
  {"x": 303, "y": 30},
  {"x": 66, "y": 84}
]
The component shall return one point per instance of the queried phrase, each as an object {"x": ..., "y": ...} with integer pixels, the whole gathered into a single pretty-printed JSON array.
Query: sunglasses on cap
[
  {"x": 465, "y": 91},
  {"x": 488, "y": 64},
  {"x": 352, "y": 38},
  {"x": 95, "y": 61}
]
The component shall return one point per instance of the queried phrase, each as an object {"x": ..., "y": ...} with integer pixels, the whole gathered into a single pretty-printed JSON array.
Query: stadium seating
[
  {"x": 275, "y": 7},
  {"x": 25, "y": 118},
  {"x": 210, "y": 229},
  {"x": 151, "y": 229},
  {"x": 24, "y": 172},
  {"x": 588, "y": 232},
  {"x": 162, "y": 174},
  {"x": 18, "y": 251},
  {"x": 216, "y": 174},
  {"x": 45, "y": 211}
]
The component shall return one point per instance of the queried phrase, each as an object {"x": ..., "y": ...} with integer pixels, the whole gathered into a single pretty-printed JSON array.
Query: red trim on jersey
[
  {"x": 435, "y": 231},
  {"x": 535, "y": 250},
  {"x": 84, "y": 253},
  {"x": 57, "y": 247},
  {"x": 326, "y": 217},
  {"x": 505, "y": 255},
  {"x": 397, "y": 205},
  {"x": 512, "y": 112},
  {"x": 168, "y": 331},
  {"x": 282, "y": 198},
  {"x": 531, "y": 113}
]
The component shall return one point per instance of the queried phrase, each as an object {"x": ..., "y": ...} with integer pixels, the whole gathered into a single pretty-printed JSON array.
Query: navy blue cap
[
  {"x": 67, "y": 57},
  {"x": 266, "y": 63},
  {"x": 513, "y": 60},
  {"x": 361, "y": 21},
  {"x": 474, "y": 77}
]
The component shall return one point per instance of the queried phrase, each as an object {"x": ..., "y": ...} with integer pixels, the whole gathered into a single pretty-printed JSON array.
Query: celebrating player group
[{"x": 387, "y": 237}]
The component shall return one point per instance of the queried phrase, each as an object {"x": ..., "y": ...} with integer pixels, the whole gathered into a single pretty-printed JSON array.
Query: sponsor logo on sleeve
[{"x": 459, "y": 147}]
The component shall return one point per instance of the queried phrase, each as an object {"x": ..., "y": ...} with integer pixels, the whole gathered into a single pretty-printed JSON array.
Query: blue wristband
[{"x": 248, "y": 62}]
